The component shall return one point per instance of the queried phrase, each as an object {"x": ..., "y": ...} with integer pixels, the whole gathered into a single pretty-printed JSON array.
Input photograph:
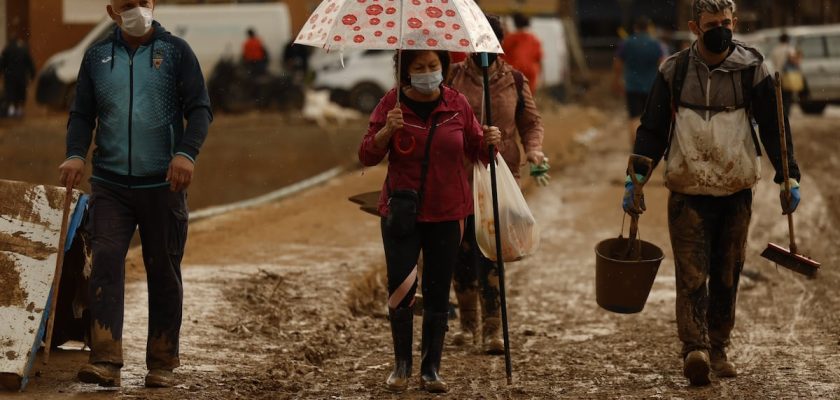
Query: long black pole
[{"x": 485, "y": 66}]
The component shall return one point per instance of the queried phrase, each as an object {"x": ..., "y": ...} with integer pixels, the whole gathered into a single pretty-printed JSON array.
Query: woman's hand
[
  {"x": 492, "y": 135},
  {"x": 394, "y": 121}
]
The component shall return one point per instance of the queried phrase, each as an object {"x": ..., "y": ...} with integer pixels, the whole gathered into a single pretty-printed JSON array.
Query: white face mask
[
  {"x": 426, "y": 83},
  {"x": 136, "y": 21}
]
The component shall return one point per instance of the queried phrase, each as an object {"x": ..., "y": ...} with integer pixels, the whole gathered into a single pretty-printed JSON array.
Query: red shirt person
[{"x": 523, "y": 50}]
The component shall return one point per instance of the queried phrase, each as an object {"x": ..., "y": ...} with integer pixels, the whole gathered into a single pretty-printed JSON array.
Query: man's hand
[
  {"x": 789, "y": 204},
  {"x": 71, "y": 171},
  {"x": 627, "y": 202},
  {"x": 180, "y": 173}
]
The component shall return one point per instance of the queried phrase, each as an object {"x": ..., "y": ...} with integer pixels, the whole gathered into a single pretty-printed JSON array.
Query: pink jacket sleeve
[
  {"x": 529, "y": 123},
  {"x": 369, "y": 154}
]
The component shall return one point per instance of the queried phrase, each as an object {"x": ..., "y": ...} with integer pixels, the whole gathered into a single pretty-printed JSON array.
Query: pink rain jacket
[{"x": 447, "y": 194}]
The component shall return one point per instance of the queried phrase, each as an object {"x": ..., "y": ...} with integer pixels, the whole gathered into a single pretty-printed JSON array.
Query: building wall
[{"x": 48, "y": 32}]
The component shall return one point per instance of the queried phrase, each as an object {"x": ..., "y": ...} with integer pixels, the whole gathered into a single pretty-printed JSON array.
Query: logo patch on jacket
[{"x": 157, "y": 58}]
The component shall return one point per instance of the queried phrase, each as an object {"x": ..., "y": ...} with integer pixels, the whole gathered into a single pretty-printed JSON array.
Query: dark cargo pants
[
  {"x": 708, "y": 236},
  {"x": 161, "y": 216}
]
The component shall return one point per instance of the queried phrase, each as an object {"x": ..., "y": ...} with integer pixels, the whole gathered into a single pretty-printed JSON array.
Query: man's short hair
[
  {"x": 521, "y": 21},
  {"x": 710, "y": 6},
  {"x": 642, "y": 24}
]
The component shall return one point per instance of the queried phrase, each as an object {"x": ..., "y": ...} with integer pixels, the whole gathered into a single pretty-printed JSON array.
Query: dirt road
[{"x": 287, "y": 300}]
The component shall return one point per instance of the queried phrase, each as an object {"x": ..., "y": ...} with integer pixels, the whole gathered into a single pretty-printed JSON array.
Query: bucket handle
[{"x": 634, "y": 245}]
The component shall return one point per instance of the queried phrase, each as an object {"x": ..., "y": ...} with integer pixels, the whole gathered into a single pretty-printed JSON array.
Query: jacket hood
[{"x": 742, "y": 56}]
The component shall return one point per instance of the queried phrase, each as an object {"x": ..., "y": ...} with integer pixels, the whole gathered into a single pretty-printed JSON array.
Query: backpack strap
[
  {"x": 519, "y": 81},
  {"x": 677, "y": 81},
  {"x": 747, "y": 77}
]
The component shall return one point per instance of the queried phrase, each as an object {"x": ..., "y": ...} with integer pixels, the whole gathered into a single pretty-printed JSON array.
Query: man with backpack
[
  {"x": 515, "y": 113},
  {"x": 699, "y": 117}
]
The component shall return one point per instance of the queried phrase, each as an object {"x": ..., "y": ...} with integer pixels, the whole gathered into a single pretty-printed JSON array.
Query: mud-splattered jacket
[
  {"x": 447, "y": 194},
  {"x": 138, "y": 101},
  {"x": 713, "y": 151}
]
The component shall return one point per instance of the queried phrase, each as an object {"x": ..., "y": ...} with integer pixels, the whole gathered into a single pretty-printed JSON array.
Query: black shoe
[
  {"x": 402, "y": 331},
  {"x": 434, "y": 331}
]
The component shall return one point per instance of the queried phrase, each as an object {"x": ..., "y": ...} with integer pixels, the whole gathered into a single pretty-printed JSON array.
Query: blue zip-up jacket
[{"x": 138, "y": 101}]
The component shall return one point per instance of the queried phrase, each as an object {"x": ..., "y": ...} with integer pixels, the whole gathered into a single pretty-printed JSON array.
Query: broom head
[{"x": 790, "y": 260}]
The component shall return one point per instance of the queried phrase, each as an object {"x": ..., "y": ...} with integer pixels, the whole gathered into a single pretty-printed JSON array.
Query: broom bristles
[{"x": 792, "y": 261}]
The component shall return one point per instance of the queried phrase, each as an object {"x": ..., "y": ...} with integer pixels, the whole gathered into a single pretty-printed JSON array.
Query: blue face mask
[{"x": 426, "y": 83}]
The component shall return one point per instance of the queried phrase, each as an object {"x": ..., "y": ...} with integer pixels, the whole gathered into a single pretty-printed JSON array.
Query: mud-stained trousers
[
  {"x": 161, "y": 216},
  {"x": 439, "y": 242},
  {"x": 474, "y": 271},
  {"x": 708, "y": 236}
]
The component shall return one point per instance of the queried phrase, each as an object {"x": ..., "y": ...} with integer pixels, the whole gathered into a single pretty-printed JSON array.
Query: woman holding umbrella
[{"x": 427, "y": 130}]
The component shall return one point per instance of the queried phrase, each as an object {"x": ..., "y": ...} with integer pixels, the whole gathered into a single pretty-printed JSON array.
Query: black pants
[
  {"x": 439, "y": 242},
  {"x": 161, "y": 215},
  {"x": 709, "y": 237}
]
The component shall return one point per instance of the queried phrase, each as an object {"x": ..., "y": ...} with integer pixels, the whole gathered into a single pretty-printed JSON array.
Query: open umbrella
[{"x": 453, "y": 25}]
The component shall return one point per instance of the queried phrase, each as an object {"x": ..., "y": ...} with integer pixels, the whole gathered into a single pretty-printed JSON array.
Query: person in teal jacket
[{"x": 142, "y": 91}]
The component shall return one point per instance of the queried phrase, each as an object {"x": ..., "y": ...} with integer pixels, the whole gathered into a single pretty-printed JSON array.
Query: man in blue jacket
[{"x": 136, "y": 88}]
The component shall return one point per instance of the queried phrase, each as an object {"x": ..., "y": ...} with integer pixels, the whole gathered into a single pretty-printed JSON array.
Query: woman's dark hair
[
  {"x": 408, "y": 57},
  {"x": 496, "y": 25}
]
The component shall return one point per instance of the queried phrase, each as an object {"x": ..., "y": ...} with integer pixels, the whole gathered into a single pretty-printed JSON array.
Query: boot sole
[
  {"x": 158, "y": 383},
  {"x": 434, "y": 387},
  {"x": 93, "y": 377}
]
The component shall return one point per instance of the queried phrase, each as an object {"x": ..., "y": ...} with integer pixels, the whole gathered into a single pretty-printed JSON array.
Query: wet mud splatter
[
  {"x": 13, "y": 294},
  {"x": 17, "y": 243}
]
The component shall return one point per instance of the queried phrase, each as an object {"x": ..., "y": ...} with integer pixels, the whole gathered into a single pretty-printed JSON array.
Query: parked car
[
  {"x": 820, "y": 47},
  {"x": 359, "y": 78},
  {"x": 214, "y": 31}
]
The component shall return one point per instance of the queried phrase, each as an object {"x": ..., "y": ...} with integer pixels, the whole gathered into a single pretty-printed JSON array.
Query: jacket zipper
[{"x": 130, "y": 109}]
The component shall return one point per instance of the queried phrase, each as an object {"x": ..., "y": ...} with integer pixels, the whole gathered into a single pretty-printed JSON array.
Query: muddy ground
[{"x": 287, "y": 301}]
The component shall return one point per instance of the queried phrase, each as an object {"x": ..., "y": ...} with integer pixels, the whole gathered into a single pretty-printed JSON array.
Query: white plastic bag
[{"x": 520, "y": 235}]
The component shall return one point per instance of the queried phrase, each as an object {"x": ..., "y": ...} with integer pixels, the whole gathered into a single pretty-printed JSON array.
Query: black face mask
[
  {"x": 717, "y": 40},
  {"x": 491, "y": 58}
]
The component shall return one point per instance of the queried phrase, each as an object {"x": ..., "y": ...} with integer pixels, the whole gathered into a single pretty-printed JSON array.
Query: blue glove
[
  {"x": 789, "y": 207},
  {"x": 627, "y": 201}
]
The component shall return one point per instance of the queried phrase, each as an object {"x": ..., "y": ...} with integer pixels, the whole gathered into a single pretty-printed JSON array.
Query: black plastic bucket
[{"x": 623, "y": 285}]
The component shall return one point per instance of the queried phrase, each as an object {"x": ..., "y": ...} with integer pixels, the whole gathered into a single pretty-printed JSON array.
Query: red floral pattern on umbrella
[{"x": 454, "y": 25}]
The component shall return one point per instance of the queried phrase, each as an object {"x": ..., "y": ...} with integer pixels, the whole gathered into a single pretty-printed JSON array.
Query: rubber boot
[
  {"x": 468, "y": 313},
  {"x": 721, "y": 365},
  {"x": 491, "y": 336},
  {"x": 402, "y": 331},
  {"x": 696, "y": 368},
  {"x": 434, "y": 331}
]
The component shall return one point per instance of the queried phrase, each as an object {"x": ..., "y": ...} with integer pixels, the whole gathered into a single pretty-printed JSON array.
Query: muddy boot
[
  {"x": 721, "y": 366},
  {"x": 696, "y": 368},
  {"x": 402, "y": 325},
  {"x": 468, "y": 312},
  {"x": 103, "y": 374},
  {"x": 434, "y": 331},
  {"x": 160, "y": 378},
  {"x": 491, "y": 336}
]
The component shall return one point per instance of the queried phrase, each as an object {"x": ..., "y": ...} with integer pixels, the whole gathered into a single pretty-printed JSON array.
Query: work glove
[
  {"x": 627, "y": 201},
  {"x": 540, "y": 172},
  {"x": 788, "y": 207}
]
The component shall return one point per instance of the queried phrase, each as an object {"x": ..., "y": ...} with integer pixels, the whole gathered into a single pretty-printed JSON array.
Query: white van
[
  {"x": 820, "y": 47},
  {"x": 367, "y": 74},
  {"x": 213, "y": 31}
]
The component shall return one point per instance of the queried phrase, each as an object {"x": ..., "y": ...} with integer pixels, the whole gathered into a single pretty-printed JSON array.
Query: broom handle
[
  {"x": 59, "y": 263},
  {"x": 780, "y": 117}
]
